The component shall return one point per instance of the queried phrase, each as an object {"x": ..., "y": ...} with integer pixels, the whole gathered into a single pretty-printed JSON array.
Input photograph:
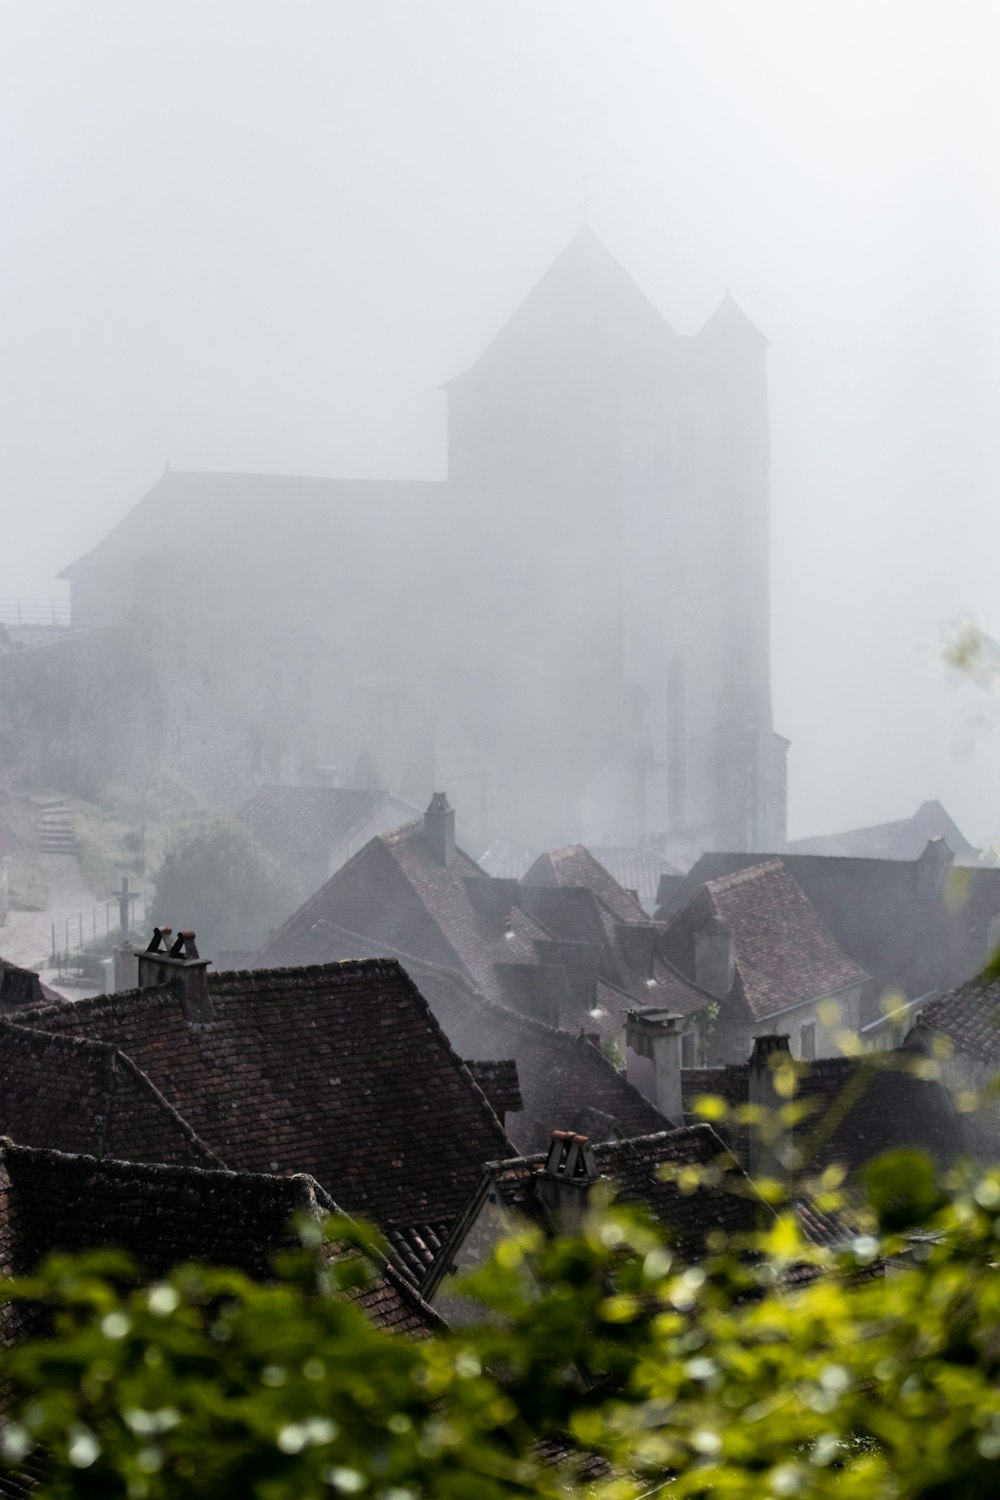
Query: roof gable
[{"x": 339, "y": 1071}]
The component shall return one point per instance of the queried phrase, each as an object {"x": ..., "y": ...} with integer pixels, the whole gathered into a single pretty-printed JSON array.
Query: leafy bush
[
  {"x": 215, "y": 881},
  {"x": 791, "y": 1371}
]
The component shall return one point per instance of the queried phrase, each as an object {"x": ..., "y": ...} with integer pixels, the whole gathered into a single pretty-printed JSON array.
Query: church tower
[{"x": 620, "y": 475}]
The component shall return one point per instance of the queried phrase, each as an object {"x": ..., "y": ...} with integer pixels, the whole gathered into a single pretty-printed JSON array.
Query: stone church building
[{"x": 570, "y": 632}]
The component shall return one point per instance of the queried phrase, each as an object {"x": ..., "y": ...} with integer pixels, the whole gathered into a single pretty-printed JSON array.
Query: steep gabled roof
[
  {"x": 20, "y": 987},
  {"x": 969, "y": 1017},
  {"x": 908, "y": 939},
  {"x": 641, "y": 1173},
  {"x": 297, "y": 820},
  {"x": 74, "y": 1094},
  {"x": 164, "y": 1216},
  {"x": 574, "y": 865},
  {"x": 397, "y": 892},
  {"x": 339, "y": 1071},
  {"x": 785, "y": 954},
  {"x": 561, "y": 1077},
  {"x": 585, "y": 307},
  {"x": 856, "y": 1108},
  {"x": 904, "y": 838}
]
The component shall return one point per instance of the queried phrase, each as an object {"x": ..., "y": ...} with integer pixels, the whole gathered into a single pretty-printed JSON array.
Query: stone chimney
[
  {"x": 932, "y": 867},
  {"x": 180, "y": 965},
  {"x": 439, "y": 828},
  {"x": 769, "y": 1149},
  {"x": 714, "y": 958},
  {"x": 563, "y": 1186},
  {"x": 653, "y": 1059},
  {"x": 125, "y": 959}
]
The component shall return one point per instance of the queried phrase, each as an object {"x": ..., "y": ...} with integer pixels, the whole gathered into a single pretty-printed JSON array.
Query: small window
[
  {"x": 689, "y": 1054},
  {"x": 807, "y": 1040}
]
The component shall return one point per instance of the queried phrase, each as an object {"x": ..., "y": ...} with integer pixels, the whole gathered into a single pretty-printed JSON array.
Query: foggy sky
[{"x": 259, "y": 236}]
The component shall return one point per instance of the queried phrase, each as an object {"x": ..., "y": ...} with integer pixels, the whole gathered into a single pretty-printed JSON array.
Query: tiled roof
[
  {"x": 166, "y": 1215},
  {"x": 73, "y": 1094},
  {"x": 498, "y": 1081},
  {"x": 970, "y": 1017},
  {"x": 296, "y": 820},
  {"x": 635, "y": 868},
  {"x": 908, "y": 939},
  {"x": 905, "y": 838},
  {"x": 576, "y": 866},
  {"x": 339, "y": 1071},
  {"x": 634, "y": 1166},
  {"x": 858, "y": 1108},
  {"x": 22, "y": 987},
  {"x": 785, "y": 955},
  {"x": 395, "y": 891}
]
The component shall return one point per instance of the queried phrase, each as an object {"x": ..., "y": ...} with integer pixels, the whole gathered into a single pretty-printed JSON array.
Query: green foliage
[
  {"x": 217, "y": 882},
  {"x": 792, "y": 1371}
]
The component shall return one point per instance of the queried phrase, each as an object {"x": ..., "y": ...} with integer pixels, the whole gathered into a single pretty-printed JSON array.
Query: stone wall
[{"x": 217, "y": 709}]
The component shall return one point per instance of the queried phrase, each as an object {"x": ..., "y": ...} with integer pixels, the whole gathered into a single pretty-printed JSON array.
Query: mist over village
[{"x": 499, "y": 704}]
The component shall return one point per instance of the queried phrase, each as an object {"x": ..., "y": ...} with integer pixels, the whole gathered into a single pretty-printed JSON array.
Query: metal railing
[
  {"x": 52, "y": 614},
  {"x": 71, "y": 937}
]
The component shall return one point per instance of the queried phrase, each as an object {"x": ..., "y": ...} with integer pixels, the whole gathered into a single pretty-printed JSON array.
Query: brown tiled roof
[
  {"x": 73, "y": 1094},
  {"x": 166, "y": 1215},
  {"x": 339, "y": 1071},
  {"x": 785, "y": 954},
  {"x": 634, "y": 1166},
  {"x": 395, "y": 891},
  {"x": 909, "y": 940},
  {"x": 970, "y": 1017},
  {"x": 560, "y": 1076},
  {"x": 498, "y": 1081},
  {"x": 576, "y": 866},
  {"x": 296, "y": 820},
  {"x": 22, "y": 987},
  {"x": 857, "y": 1108}
]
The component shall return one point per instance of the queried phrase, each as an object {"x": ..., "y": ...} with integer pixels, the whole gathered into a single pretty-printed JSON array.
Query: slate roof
[
  {"x": 499, "y": 1082},
  {"x": 858, "y": 1108},
  {"x": 785, "y": 955},
  {"x": 300, "y": 820},
  {"x": 339, "y": 1071},
  {"x": 910, "y": 940},
  {"x": 970, "y": 1017},
  {"x": 166, "y": 1215},
  {"x": 634, "y": 867}
]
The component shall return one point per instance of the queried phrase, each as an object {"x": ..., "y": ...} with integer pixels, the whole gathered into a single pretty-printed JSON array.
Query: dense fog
[{"x": 260, "y": 237}]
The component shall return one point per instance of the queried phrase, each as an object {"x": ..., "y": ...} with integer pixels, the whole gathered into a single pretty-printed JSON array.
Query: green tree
[
  {"x": 791, "y": 1371},
  {"x": 216, "y": 881}
]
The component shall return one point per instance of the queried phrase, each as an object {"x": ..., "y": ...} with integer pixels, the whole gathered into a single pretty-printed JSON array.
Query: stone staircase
[{"x": 54, "y": 827}]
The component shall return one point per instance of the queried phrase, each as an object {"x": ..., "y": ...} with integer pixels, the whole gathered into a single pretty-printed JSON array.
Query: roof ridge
[{"x": 748, "y": 873}]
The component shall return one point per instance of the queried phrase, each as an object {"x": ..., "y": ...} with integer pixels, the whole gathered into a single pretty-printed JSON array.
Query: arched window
[{"x": 676, "y": 743}]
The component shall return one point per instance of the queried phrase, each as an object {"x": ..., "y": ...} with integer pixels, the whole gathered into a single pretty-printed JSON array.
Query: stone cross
[{"x": 124, "y": 897}]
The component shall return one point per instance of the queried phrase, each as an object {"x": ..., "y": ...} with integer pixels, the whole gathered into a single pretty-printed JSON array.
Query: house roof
[
  {"x": 904, "y": 838},
  {"x": 339, "y": 1071},
  {"x": 21, "y": 987},
  {"x": 563, "y": 1079},
  {"x": 298, "y": 820},
  {"x": 71, "y": 1093},
  {"x": 575, "y": 865},
  {"x": 970, "y": 1017},
  {"x": 636, "y": 1169},
  {"x": 857, "y": 1108},
  {"x": 910, "y": 937},
  {"x": 785, "y": 955},
  {"x": 634, "y": 867},
  {"x": 395, "y": 891},
  {"x": 166, "y": 1215}
]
